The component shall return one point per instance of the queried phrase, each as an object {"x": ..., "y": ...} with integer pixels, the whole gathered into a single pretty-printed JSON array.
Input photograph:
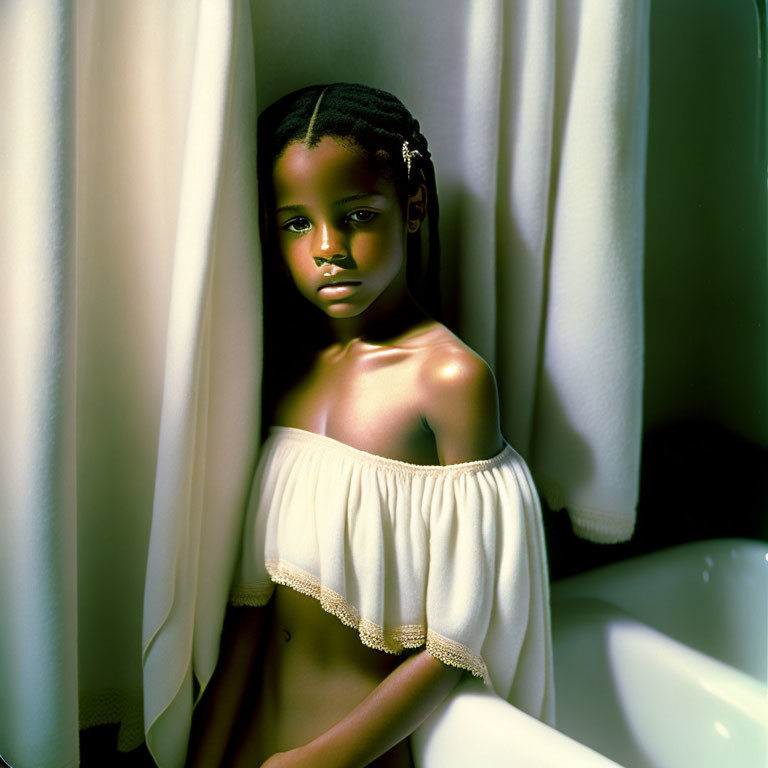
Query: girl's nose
[
  {"x": 329, "y": 243},
  {"x": 324, "y": 241}
]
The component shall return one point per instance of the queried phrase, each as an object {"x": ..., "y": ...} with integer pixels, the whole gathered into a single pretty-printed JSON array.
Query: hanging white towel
[{"x": 588, "y": 420}]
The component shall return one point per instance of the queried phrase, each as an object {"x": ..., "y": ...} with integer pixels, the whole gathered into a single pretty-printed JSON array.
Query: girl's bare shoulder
[
  {"x": 444, "y": 360},
  {"x": 458, "y": 398}
]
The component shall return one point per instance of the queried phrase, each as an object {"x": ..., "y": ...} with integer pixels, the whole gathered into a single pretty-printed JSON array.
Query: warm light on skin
[
  {"x": 336, "y": 216},
  {"x": 450, "y": 371}
]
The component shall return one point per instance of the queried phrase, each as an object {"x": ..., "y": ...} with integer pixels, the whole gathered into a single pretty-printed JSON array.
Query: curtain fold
[
  {"x": 134, "y": 63},
  {"x": 526, "y": 124},
  {"x": 38, "y": 527},
  {"x": 210, "y": 413},
  {"x": 132, "y": 401}
]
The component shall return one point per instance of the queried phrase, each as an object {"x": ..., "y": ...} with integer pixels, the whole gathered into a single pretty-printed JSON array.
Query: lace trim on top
[
  {"x": 255, "y": 595},
  {"x": 394, "y": 640},
  {"x": 466, "y": 467}
]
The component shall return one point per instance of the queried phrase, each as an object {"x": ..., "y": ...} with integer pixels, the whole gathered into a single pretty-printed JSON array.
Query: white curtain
[
  {"x": 130, "y": 375},
  {"x": 38, "y": 573}
]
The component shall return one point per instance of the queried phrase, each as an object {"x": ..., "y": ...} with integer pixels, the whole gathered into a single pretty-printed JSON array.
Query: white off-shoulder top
[{"x": 448, "y": 557}]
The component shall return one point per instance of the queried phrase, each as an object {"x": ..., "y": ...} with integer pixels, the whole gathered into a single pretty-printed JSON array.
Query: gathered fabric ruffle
[{"x": 450, "y": 558}]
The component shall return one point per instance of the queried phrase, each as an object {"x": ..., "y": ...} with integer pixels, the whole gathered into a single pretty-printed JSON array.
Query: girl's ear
[{"x": 416, "y": 208}]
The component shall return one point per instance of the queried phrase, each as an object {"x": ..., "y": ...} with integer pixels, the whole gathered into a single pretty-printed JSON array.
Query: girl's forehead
[{"x": 330, "y": 166}]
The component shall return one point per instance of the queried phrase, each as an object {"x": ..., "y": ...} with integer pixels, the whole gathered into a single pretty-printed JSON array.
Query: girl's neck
[{"x": 391, "y": 316}]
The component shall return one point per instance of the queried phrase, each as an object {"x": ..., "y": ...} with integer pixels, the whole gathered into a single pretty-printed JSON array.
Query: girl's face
[{"x": 341, "y": 229}]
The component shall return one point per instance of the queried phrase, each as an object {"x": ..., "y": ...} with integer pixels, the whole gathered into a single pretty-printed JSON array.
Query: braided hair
[{"x": 379, "y": 125}]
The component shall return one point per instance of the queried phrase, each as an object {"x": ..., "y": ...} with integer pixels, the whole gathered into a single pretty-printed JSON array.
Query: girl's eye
[
  {"x": 362, "y": 217},
  {"x": 299, "y": 224}
]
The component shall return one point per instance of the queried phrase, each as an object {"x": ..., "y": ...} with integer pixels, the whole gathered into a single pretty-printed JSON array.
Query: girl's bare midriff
[{"x": 315, "y": 671}]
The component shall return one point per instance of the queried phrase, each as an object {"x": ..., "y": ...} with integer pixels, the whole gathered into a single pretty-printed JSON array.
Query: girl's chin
[
  {"x": 347, "y": 307},
  {"x": 342, "y": 309}
]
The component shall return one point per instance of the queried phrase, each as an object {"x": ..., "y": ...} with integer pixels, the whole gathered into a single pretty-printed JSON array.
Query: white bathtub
[
  {"x": 477, "y": 729},
  {"x": 662, "y": 661}
]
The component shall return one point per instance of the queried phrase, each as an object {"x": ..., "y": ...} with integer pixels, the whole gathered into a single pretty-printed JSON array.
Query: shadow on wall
[
  {"x": 697, "y": 481},
  {"x": 706, "y": 265}
]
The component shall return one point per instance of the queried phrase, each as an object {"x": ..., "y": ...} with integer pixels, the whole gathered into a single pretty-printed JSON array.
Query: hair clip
[{"x": 408, "y": 155}]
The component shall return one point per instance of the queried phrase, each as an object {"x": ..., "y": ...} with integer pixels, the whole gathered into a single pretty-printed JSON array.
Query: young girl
[{"x": 393, "y": 539}]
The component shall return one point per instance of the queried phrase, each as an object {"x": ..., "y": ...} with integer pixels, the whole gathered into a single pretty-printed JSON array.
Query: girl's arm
[
  {"x": 461, "y": 408},
  {"x": 389, "y": 714},
  {"x": 214, "y": 717}
]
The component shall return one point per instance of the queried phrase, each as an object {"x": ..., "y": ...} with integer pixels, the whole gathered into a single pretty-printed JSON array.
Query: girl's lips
[{"x": 338, "y": 290}]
